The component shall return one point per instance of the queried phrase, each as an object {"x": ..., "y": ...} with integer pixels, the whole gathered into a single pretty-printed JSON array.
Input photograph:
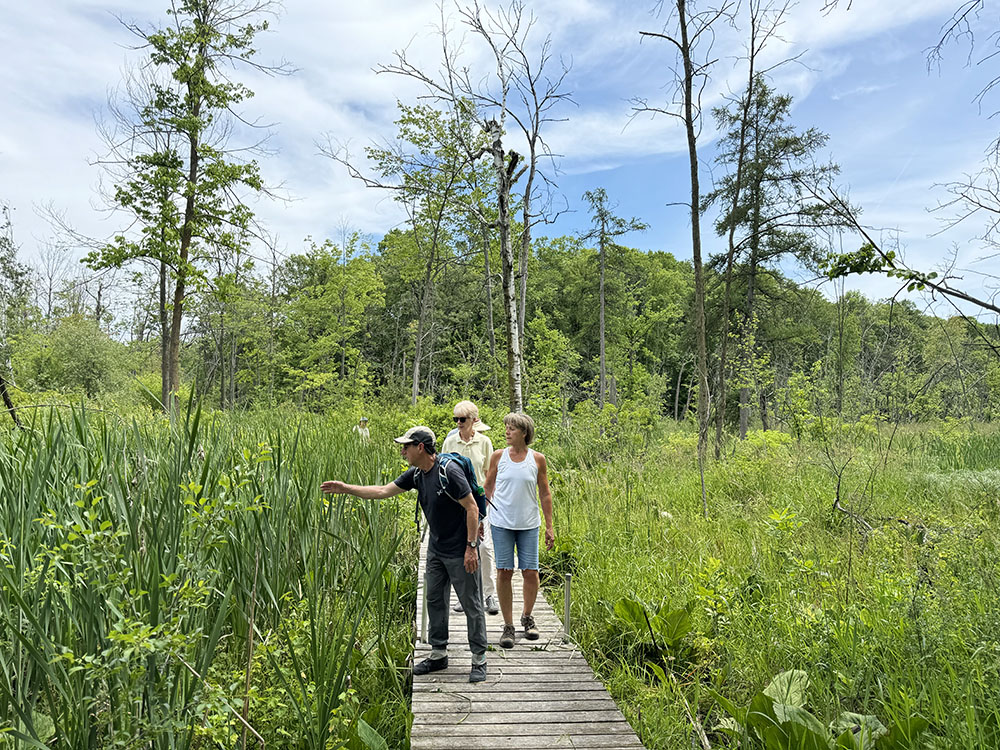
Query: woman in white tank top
[{"x": 517, "y": 484}]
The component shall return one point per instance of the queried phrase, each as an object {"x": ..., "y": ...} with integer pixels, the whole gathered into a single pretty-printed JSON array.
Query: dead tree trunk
[
  {"x": 505, "y": 166},
  {"x": 488, "y": 281},
  {"x": 5, "y": 394}
]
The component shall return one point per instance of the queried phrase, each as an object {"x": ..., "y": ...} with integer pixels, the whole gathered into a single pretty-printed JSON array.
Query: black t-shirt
[{"x": 446, "y": 517}]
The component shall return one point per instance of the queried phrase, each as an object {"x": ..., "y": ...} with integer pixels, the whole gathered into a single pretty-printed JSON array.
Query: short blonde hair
[
  {"x": 522, "y": 422},
  {"x": 466, "y": 409}
]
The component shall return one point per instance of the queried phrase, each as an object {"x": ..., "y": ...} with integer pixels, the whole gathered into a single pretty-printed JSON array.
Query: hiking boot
[
  {"x": 430, "y": 665},
  {"x": 507, "y": 639},
  {"x": 478, "y": 673},
  {"x": 492, "y": 607},
  {"x": 530, "y": 631}
]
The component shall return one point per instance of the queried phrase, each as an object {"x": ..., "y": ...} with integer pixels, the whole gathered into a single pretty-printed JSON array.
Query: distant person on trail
[
  {"x": 453, "y": 549},
  {"x": 468, "y": 439},
  {"x": 361, "y": 429},
  {"x": 518, "y": 478}
]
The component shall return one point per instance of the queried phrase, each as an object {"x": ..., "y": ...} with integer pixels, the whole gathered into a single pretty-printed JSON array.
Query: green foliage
[
  {"x": 119, "y": 625},
  {"x": 869, "y": 259},
  {"x": 887, "y": 623},
  {"x": 176, "y": 179},
  {"x": 666, "y": 628},
  {"x": 328, "y": 292},
  {"x": 75, "y": 357},
  {"x": 551, "y": 361},
  {"x": 14, "y": 284},
  {"x": 777, "y": 719}
]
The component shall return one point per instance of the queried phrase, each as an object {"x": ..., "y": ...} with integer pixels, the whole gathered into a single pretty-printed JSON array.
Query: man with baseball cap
[{"x": 453, "y": 547}]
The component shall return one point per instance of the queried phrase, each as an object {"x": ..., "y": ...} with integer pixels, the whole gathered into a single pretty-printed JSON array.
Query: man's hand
[
  {"x": 333, "y": 488},
  {"x": 550, "y": 537},
  {"x": 482, "y": 530},
  {"x": 471, "y": 560}
]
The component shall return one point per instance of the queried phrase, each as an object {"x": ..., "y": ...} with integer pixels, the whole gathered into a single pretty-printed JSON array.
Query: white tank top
[{"x": 515, "y": 499}]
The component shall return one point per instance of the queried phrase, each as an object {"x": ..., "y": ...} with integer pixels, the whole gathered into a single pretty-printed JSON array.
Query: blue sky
[{"x": 896, "y": 130}]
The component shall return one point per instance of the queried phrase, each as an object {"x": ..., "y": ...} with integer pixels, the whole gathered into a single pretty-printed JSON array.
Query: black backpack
[{"x": 465, "y": 463}]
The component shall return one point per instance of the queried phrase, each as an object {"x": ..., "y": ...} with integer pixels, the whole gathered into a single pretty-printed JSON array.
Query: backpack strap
[{"x": 442, "y": 461}]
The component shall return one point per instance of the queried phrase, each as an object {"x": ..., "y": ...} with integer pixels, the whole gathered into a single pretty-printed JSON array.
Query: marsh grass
[
  {"x": 181, "y": 584},
  {"x": 896, "y": 621}
]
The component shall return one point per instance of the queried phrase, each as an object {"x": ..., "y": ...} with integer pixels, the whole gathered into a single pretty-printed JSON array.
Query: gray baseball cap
[{"x": 418, "y": 434}]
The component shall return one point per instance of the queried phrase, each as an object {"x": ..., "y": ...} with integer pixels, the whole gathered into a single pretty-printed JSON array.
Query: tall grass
[
  {"x": 183, "y": 584},
  {"x": 896, "y": 621}
]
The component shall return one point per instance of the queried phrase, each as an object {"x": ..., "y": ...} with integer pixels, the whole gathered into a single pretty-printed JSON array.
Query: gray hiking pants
[{"x": 444, "y": 573}]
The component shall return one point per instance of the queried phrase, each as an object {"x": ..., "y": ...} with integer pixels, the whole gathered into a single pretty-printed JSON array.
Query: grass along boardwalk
[{"x": 538, "y": 695}]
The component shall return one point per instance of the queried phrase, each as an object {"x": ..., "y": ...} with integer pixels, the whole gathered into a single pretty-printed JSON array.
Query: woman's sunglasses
[{"x": 460, "y": 420}]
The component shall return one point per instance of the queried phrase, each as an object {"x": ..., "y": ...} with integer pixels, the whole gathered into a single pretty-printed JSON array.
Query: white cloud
[
  {"x": 860, "y": 78},
  {"x": 864, "y": 90}
]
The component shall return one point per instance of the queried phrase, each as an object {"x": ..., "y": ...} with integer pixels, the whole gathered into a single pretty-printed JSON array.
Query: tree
[
  {"x": 327, "y": 292},
  {"x": 763, "y": 203},
  {"x": 76, "y": 356},
  {"x": 763, "y": 20},
  {"x": 691, "y": 36},
  {"x": 607, "y": 227},
  {"x": 430, "y": 175},
  {"x": 14, "y": 291},
  {"x": 182, "y": 186},
  {"x": 520, "y": 90}
]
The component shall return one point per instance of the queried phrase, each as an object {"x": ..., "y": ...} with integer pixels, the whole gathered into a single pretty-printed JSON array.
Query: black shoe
[
  {"x": 478, "y": 673},
  {"x": 430, "y": 665}
]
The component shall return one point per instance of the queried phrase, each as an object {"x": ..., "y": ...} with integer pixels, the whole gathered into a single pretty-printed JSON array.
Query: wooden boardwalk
[{"x": 537, "y": 696}]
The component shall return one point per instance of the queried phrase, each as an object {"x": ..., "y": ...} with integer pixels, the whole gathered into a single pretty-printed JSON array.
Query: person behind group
[
  {"x": 469, "y": 440},
  {"x": 517, "y": 480},
  {"x": 453, "y": 547},
  {"x": 361, "y": 429}
]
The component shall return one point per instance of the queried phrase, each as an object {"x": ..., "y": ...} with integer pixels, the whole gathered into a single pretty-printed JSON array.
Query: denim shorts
[{"x": 506, "y": 540}]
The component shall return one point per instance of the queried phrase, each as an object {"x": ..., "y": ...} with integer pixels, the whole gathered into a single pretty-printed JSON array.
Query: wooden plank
[
  {"x": 450, "y": 676},
  {"x": 531, "y": 719},
  {"x": 432, "y": 703},
  {"x": 521, "y": 668},
  {"x": 491, "y": 741},
  {"x": 461, "y": 686},
  {"x": 534, "y": 729}
]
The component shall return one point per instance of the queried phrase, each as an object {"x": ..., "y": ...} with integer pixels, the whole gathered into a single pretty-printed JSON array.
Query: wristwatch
[{"x": 473, "y": 545}]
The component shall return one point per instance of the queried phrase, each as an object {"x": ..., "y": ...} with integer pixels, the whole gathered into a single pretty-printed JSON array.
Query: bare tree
[
  {"x": 691, "y": 31},
  {"x": 519, "y": 90},
  {"x": 529, "y": 96},
  {"x": 50, "y": 272}
]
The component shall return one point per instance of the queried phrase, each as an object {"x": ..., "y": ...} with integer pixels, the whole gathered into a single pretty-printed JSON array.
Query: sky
[{"x": 898, "y": 130}]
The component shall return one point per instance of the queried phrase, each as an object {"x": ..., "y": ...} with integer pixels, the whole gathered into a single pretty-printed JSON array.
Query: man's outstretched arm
[{"x": 369, "y": 491}]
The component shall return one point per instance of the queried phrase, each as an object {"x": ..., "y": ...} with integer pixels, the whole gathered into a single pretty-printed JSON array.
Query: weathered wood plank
[
  {"x": 431, "y": 703},
  {"x": 460, "y": 685},
  {"x": 534, "y": 729},
  {"x": 496, "y": 675},
  {"x": 492, "y": 741},
  {"x": 528, "y": 718}
]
